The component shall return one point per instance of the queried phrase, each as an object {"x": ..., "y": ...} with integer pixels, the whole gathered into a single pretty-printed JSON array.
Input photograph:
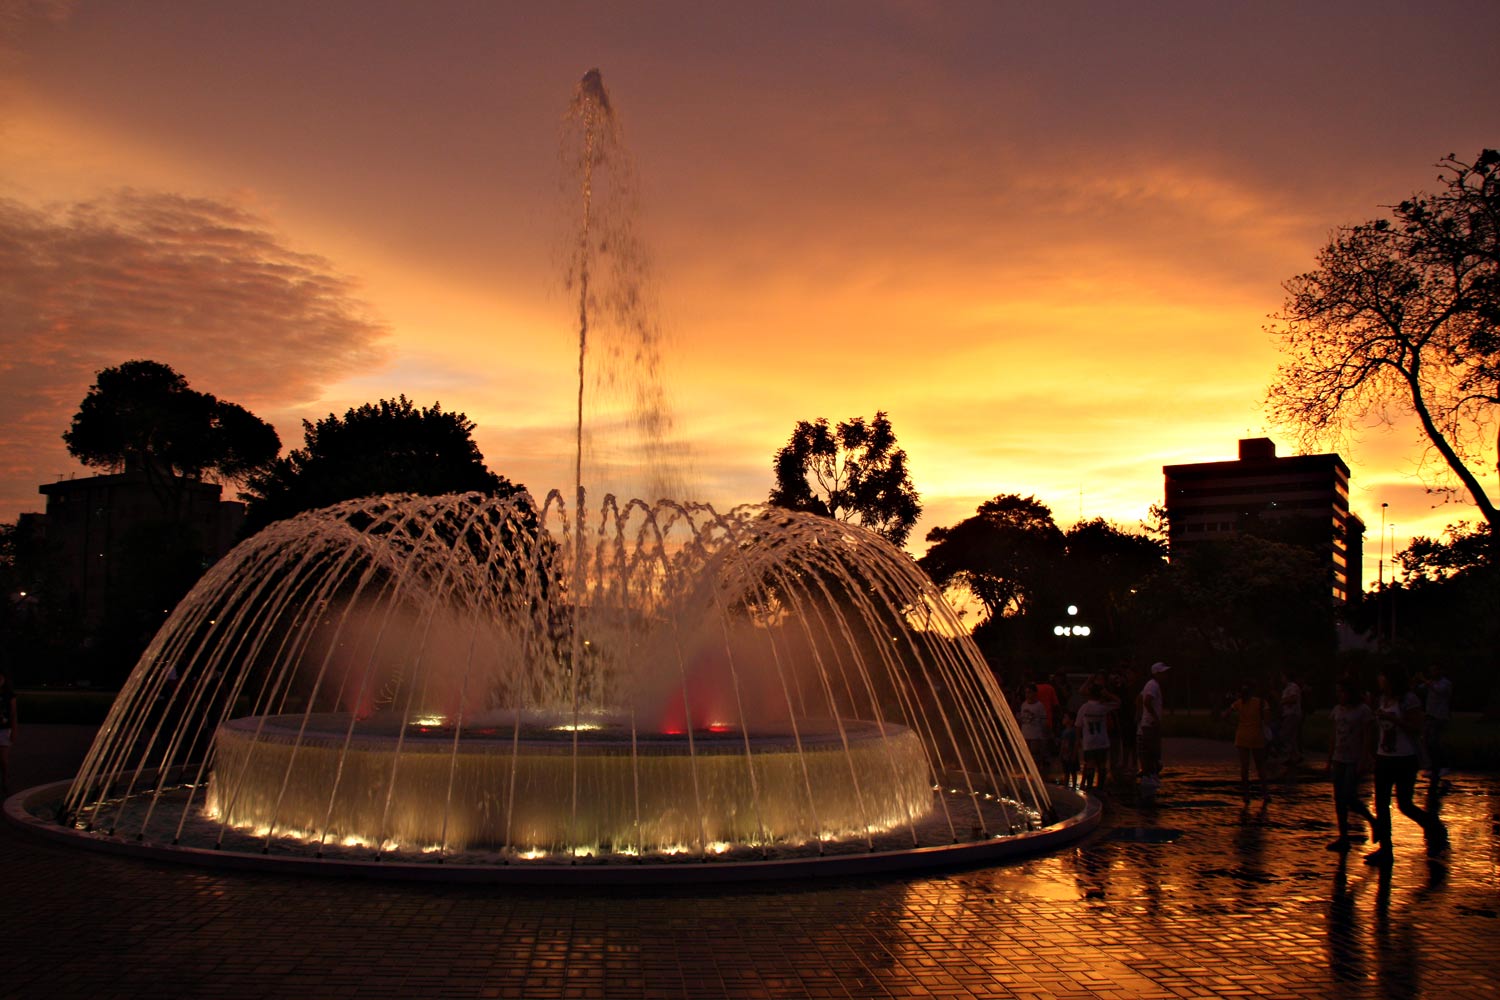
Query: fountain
[{"x": 466, "y": 683}]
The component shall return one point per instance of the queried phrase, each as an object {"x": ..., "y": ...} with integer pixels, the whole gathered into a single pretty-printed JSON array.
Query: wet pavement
[{"x": 1194, "y": 897}]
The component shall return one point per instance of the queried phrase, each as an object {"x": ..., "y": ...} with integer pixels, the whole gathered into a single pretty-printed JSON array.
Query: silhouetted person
[
  {"x": 1398, "y": 714},
  {"x": 1036, "y": 727},
  {"x": 1148, "y": 731},
  {"x": 1291, "y": 719},
  {"x": 1047, "y": 695},
  {"x": 9, "y": 724},
  {"x": 1348, "y": 753},
  {"x": 1067, "y": 751},
  {"x": 1250, "y": 712},
  {"x": 1093, "y": 725},
  {"x": 1438, "y": 691}
]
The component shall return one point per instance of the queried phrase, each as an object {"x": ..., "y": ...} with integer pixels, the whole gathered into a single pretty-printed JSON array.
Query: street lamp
[
  {"x": 1380, "y": 567},
  {"x": 1392, "y": 634},
  {"x": 1070, "y": 630}
]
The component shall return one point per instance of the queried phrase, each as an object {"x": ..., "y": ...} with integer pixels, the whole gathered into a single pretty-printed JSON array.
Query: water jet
[{"x": 523, "y": 689}]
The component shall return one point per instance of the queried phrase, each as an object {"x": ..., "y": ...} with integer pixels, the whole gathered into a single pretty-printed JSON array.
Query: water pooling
[{"x": 502, "y": 681}]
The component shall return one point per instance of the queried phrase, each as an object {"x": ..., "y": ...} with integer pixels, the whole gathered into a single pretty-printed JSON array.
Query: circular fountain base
[
  {"x": 532, "y": 789},
  {"x": 37, "y": 810}
]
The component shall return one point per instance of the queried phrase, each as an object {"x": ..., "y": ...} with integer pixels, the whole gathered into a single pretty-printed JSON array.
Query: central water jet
[{"x": 504, "y": 682}]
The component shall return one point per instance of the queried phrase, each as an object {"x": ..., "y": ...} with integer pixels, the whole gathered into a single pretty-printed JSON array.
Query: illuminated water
[
  {"x": 427, "y": 675},
  {"x": 471, "y": 677}
]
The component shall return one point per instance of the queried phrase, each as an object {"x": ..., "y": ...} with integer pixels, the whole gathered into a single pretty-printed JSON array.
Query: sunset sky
[{"x": 1047, "y": 243}]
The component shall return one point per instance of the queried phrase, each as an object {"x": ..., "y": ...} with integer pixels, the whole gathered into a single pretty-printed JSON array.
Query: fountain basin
[{"x": 512, "y": 787}]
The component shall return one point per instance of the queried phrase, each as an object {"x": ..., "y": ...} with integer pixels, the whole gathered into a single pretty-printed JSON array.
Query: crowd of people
[
  {"x": 1386, "y": 733},
  {"x": 1110, "y": 727}
]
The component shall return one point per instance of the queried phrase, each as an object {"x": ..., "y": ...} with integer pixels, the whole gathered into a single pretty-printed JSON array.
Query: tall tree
[
  {"x": 1007, "y": 554},
  {"x": 1404, "y": 314},
  {"x": 1104, "y": 566},
  {"x": 1244, "y": 604},
  {"x": 391, "y": 446},
  {"x": 1443, "y": 609},
  {"x": 853, "y": 472},
  {"x": 144, "y": 415},
  {"x": 1466, "y": 549}
]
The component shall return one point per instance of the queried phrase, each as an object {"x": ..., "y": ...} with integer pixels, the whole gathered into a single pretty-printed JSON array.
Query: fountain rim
[
  {"x": 502, "y": 740},
  {"x": 1081, "y": 815}
]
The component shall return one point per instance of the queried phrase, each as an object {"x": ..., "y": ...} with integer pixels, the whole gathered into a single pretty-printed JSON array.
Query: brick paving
[{"x": 1191, "y": 898}]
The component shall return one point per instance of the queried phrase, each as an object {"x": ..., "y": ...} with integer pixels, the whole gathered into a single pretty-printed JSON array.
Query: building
[
  {"x": 88, "y": 520},
  {"x": 1301, "y": 498}
]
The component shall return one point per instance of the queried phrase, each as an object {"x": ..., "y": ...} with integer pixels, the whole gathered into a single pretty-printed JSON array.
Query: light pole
[
  {"x": 1380, "y": 577},
  {"x": 1392, "y": 634},
  {"x": 1380, "y": 570}
]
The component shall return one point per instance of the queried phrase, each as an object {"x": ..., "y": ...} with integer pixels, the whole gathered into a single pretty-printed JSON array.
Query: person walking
[
  {"x": 1251, "y": 712},
  {"x": 1437, "y": 711},
  {"x": 1348, "y": 754},
  {"x": 1398, "y": 714}
]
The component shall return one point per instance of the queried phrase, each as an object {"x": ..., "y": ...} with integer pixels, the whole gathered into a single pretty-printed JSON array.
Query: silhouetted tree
[
  {"x": 853, "y": 473},
  {"x": 1404, "y": 314},
  {"x": 1465, "y": 549},
  {"x": 1245, "y": 605},
  {"x": 387, "y": 447},
  {"x": 1443, "y": 610},
  {"x": 1104, "y": 566},
  {"x": 143, "y": 415},
  {"x": 1007, "y": 554}
]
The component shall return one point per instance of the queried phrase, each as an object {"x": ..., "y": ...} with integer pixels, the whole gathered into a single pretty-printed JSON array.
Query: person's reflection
[
  {"x": 1434, "y": 801},
  {"x": 1092, "y": 871},
  {"x": 1346, "y": 955},
  {"x": 1397, "y": 951},
  {"x": 1254, "y": 876}
]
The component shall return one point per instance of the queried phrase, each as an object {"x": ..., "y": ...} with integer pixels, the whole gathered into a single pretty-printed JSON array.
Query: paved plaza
[{"x": 1191, "y": 898}]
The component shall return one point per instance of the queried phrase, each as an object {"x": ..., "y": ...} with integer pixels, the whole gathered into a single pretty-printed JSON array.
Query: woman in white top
[{"x": 1398, "y": 716}]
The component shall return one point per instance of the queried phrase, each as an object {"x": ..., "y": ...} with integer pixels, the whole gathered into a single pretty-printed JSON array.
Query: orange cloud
[{"x": 196, "y": 283}]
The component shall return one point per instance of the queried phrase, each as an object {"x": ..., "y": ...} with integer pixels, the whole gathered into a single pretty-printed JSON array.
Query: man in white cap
[{"x": 1148, "y": 733}]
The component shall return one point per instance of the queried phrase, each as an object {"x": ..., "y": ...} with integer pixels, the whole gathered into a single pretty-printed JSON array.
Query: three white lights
[{"x": 1071, "y": 630}]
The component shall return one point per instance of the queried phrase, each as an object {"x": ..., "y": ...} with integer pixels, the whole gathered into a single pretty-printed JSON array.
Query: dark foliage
[
  {"x": 1241, "y": 608},
  {"x": 1007, "y": 554},
  {"x": 1403, "y": 315},
  {"x": 144, "y": 415},
  {"x": 853, "y": 473},
  {"x": 391, "y": 446}
]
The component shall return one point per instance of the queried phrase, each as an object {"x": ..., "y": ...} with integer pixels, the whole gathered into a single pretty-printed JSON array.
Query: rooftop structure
[
  {"x": 89, "y": 519},
  {"x": 1299, "y": 498}
]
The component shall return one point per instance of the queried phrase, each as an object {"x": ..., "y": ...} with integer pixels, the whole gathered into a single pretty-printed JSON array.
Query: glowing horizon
[{"x": 1052, "y": 274}]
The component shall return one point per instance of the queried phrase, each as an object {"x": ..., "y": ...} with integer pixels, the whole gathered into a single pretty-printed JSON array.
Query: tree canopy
[
  {"x": 143, "y": 414},
  {"x": 853, "y": 472},
  {"x": 1242, "y": 602},
  {"x": 1105, "y": 565},
  {"x": 1005, "y": 554},
  {"x": 1403, "y": 315},
  {"x": 1443, "y": 609},
  {"x": 391, "y": 446},
  {"x": 1466, "y": 549}
]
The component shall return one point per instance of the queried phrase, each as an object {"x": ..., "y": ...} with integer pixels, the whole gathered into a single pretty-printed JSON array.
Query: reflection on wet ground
[{"x": 1191, "y": 897}]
